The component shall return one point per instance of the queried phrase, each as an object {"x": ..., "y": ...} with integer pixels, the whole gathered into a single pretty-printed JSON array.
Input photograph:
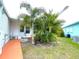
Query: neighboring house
[
  {"x": 72, "y": 30},
  {"x": 10, "y": 28}
]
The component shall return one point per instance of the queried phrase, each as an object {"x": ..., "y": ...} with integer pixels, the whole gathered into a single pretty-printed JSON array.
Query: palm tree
[
  {"x": 34, "y": 13},
  {"x": 46, "y": 26}
]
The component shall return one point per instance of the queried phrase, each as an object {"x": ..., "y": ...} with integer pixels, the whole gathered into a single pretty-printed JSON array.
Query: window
[
  {"x": 27, "y": 30},
  {"x": 21, "y": 28},
  {"x": 24, "y": 29}
]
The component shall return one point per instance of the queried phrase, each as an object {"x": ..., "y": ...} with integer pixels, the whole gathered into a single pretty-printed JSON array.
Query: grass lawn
[{"x": 65, "y": 49}]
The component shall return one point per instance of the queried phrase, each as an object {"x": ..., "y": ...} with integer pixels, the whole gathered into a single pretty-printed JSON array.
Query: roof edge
[{"x": 71, "y": 24}]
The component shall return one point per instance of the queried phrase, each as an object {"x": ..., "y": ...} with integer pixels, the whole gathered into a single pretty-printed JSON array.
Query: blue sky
[{"x": 70, "y": 15}]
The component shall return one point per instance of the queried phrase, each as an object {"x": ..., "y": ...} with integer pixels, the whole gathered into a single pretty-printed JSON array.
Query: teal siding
[{"x": 73, "y": 30}]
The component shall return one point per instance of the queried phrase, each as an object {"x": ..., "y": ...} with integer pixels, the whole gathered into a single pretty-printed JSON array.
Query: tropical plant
[
  {"x": 46, "y": 26},
  {"x": 34, "y": 12},
  {"x": 29, "y": 20}
]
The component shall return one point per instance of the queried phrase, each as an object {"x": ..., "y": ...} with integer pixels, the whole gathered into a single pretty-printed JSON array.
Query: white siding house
[
  {"x": 17, "y": 33},
  {"x": 4, "y": 26},
  {"x": 10, "y": 28}
]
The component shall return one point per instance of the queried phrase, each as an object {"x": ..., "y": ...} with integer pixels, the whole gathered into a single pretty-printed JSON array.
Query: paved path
[{"x": 12, "y": 50}]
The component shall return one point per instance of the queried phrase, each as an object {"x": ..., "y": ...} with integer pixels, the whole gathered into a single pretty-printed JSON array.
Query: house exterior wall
[
  {"x": 73, "y": 30},
  {"x": 1, "y": 37},
  {"x": 15, "y": 30},
  {"x": 4, "y": 28}
]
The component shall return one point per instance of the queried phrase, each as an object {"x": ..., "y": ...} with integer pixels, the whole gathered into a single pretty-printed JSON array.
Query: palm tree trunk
[
  {"x": 33, "y": 34},
  {"x": 50, "y": 29}
]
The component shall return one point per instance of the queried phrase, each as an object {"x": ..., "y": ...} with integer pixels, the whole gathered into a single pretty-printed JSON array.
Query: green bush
[
  {"x": 46, "y": 37},
  {"x": 62, "y": 34}
]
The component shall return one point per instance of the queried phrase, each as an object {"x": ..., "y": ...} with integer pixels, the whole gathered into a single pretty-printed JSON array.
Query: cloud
[{"x": 70, "y": 15}]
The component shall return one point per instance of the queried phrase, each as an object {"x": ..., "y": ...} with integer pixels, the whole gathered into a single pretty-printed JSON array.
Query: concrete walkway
[{"x": 12, "y": 50}]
